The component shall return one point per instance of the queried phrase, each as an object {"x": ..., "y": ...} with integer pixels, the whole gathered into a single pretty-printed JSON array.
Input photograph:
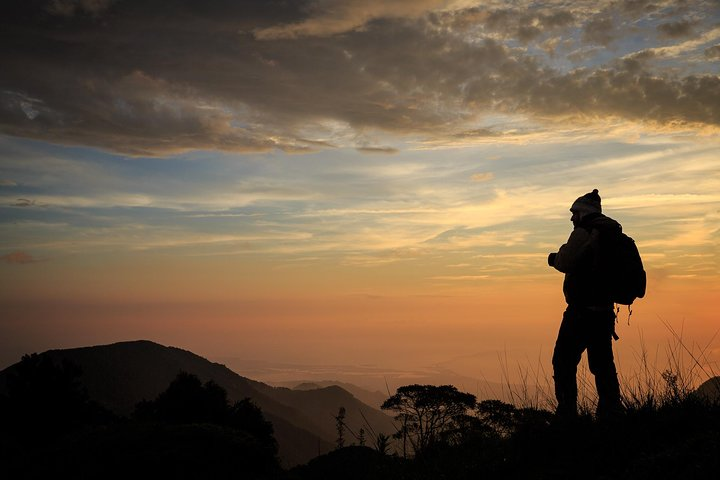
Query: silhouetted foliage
[
  {"x": 679, "y": 439},
  {"x": 44, "y": 404},
  {"x": 352, "y": 463},
  {"x": 504, "y": 419},
  {"x": 51, "y": 429},
  {"x": 245, "y": 415},
  {"x": 156, "y": 450},
  {"x": 340, "y": 428},
  {"x": 429, "y": 414},
  {"x": 46, "y": 399},
  {"x": 382, "y": 444},
  {"x": 188, "y": 401}
]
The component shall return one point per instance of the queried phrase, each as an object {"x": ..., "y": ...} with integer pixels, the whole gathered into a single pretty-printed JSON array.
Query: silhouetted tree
[
  {"x": 504, "y": 419},
  {"x": 498, "y": 417},
  {"x": 244, "y": 415},
  {"x": 382, "y": 443},
  {"x": 46, "y": 398},
  {"x": 340, "y": 427},
  {"x": 429, "y": 413},
  {"x": 188, "y": 401}
]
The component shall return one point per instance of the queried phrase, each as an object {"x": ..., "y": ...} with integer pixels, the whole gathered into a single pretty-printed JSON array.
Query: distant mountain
[
  {"x": 710, "y": 389},
  {"x": 119, "y": 375},
  {"x": 374, "y": 399},
  {"x": 380, "y": 379}
]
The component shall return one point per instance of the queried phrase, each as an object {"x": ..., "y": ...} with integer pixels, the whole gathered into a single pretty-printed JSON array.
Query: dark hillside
[
  {"x": 120, "y": 375},
  {"x": 710, "y": 390}
]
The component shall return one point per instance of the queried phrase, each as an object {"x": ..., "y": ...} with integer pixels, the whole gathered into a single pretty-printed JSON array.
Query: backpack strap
[{"x": 617, "y": 313}]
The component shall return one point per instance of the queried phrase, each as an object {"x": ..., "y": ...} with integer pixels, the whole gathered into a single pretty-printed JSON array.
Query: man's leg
[
  {"x": 602, "y": 363},
  {"x": 566, "y": 356}
]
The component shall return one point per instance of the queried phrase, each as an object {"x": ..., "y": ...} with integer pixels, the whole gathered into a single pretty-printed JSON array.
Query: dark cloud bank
[{"x": 155, "y": 77}]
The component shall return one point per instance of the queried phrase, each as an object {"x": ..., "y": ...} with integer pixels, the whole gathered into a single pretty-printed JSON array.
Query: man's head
[{"x": 585, "y": 205}]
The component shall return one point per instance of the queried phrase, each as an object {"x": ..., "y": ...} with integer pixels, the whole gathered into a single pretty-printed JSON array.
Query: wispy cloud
[
  {"x": 24, "y": 202},
  {"x": 482, "y": 177},
  {"x": 378, "y": 150},
  {"x": 367, "y": 211},
  {"x": 460, "y": 278},
  {"x": 329, "y": 18},
  {"x": 706, "y": 38},
  {"x": 18, "y": 258}
]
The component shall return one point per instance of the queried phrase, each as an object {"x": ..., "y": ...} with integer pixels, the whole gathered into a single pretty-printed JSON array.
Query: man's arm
[{"x": 573, "y": 252}]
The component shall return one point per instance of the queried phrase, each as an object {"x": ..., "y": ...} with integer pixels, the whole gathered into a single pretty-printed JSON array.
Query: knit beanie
[{"x": 587, "y": 204}]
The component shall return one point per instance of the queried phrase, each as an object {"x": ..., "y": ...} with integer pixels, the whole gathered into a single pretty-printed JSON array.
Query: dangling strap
[
  {"x": 617, "y": 319},
  {"x": 617, "y": 313}
]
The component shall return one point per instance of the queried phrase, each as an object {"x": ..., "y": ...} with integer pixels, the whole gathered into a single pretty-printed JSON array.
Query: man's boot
[
  {"x": 566, "y": 395},
  {"x": 609, "y": 401}
]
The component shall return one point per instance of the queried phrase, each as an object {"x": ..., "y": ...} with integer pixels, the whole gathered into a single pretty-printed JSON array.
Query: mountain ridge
[{"x": 121, "y": 374}]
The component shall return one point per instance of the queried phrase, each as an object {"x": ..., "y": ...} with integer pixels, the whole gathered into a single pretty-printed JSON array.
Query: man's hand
[{"x": 551, "y": 259}]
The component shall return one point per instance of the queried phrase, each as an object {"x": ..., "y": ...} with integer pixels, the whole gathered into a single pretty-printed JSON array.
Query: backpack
[{"x": 621, "y": 268}]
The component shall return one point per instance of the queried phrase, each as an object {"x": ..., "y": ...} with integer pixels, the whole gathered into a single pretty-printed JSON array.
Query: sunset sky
[{"x": 356, "y": 182}]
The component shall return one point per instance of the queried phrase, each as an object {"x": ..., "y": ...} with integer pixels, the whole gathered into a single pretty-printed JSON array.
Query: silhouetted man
[{"x": 589, "y": 320}]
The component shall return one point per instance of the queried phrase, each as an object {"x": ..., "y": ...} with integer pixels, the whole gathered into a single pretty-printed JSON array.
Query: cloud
[
  {"x": 8, "y": 183},
  {"x": 24, "y": 202},
  {"x": 638, "y": 96},
  {"x": 478, "y": 132},
  {"x": 30, "y": 107},
  {"x": 713, "y": 53},
  {"x": 322, "y": 205},
  {"x": 257, "y": 76},
  {"x": 328, "y": 17},
  {"x": 69, "y": 8},
  {"x": 482, "y": 177},
  {"x": 460, "y": 278},
  {"x": 709, "y": 36},
  {"x": 678, "y": 29},
  {"x": 584, "y": 53},
  {"x": 524, "y": 25},
  {"x": 18, "y": 258},
  {"x": 639, "y": 6},
  {"x": 600, "y": 31},
  {"x": 378, "y": 150}
]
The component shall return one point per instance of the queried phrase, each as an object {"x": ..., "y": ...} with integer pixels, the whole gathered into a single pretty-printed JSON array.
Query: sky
[{"x": 358, "y": 182}]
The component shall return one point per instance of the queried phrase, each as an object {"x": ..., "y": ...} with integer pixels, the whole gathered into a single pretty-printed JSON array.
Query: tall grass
[
  {"x": 686, "y": 366},
  {"x": 654, "y": 380}
]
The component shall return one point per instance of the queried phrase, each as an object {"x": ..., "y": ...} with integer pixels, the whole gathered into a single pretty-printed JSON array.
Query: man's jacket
[{"x": 578, "y": 260}]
